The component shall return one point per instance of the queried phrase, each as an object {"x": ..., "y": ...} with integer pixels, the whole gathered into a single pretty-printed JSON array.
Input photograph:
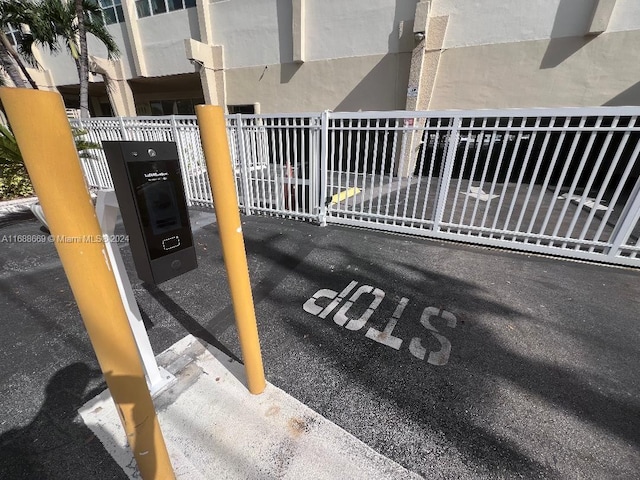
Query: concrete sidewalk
[{"x": 215, "y": 429}]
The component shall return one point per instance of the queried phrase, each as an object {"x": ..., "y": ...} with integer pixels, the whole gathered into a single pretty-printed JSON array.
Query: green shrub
[
  {"x": 15, "y": 187},
  {"x": 14, "y": 179}
]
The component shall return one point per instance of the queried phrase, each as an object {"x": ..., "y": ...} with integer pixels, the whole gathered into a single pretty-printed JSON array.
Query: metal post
[
  {"x": 216, "y": 151},
  {"x": 627, "y": 222},
  {"x": 123, "y": 130},
  {"x": 324, "y": 167},
  {"x": 44, "y": 136},
  {"x": 443, "y": 184},
  {"x": 244, "y": 174}
]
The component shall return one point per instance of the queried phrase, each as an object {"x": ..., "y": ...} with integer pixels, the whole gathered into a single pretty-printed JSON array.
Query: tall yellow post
[
  {"x": 213, "y": 133},
  {"x": 40, "y": 125}
]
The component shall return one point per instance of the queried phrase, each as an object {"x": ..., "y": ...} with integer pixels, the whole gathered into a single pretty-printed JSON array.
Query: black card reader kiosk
[{"x": 148, "y": 185}]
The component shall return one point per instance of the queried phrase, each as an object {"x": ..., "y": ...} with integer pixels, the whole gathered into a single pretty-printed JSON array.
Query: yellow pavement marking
[{"x": 350, "y": 192}]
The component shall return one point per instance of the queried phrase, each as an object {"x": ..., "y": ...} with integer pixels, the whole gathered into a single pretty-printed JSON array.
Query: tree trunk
[
  {"x": 83, "y": 62},
  {"x": 8, "y": 63},
  {"x": 22, "y": 67},
  {"x": 12, "y": 51}
]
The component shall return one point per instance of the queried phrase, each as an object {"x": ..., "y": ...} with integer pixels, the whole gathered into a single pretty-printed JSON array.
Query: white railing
[
  {"x": 180, "y": 129},
  {"x": 557, "y": 181}
]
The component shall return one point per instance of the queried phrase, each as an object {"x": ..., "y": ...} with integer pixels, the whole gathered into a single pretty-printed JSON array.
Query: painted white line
[
  {"x": 589, "y": 202},
  {"x": 477, "y": 192}
]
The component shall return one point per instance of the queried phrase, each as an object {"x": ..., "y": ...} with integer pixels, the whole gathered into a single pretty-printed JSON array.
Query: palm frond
[
  {"x": 9, "y": 151},
  {"x": 82, "y": 144}
]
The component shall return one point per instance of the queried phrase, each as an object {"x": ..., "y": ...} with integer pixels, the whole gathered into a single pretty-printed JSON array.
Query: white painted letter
[
  {"x": 385, "y": 336},
  {"x": 441, "y": 357},
  {"x": 341, "y": 316},
  {"x": 312, "y": 307},
  {"x": 339, "y": 299}
]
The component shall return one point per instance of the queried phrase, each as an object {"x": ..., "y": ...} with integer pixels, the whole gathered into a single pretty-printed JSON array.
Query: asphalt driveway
[{"x": 454, "y": 361}]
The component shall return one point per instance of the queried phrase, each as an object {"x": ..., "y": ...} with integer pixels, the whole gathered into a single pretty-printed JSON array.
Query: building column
[
  {"x": 210, "y": 61},
  {"x": 208, "y": 57},
  {"x": 298, "y": 9},
  {"x": 429, "y": 33},
  {"x": 118, "y": 89},
  {"x": 134, "y": 38},
  {"x": 602, "y": 11},
  {"x": 204, "y": 21}
]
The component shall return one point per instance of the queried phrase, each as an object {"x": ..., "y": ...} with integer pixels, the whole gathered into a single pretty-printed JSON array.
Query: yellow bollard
[
  {"x": 40, "y": 125},
  {"x": 213, "y": 133}
]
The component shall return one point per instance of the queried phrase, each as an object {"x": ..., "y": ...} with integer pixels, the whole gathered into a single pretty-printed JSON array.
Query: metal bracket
[{"x": 107, "y": 211}]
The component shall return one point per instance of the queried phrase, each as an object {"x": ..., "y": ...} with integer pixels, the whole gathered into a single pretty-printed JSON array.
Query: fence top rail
[
  {"x": 266, "y": 116},
  {"x": 146, "y": 118},
  {"x": 624, "y": 111},
  {"x": 167, "y": 119},
  {"x": 490, "y": 113}
]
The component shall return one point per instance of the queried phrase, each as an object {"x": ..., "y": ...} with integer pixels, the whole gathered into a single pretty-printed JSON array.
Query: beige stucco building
[{"x": 274, "y": 56}]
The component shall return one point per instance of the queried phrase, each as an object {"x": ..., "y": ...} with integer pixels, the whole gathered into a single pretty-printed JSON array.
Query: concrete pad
[{"x": 214, "y": 428}]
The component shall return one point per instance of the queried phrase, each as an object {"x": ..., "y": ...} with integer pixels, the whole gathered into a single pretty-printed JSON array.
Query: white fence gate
[{"x": 556, "y": 181}]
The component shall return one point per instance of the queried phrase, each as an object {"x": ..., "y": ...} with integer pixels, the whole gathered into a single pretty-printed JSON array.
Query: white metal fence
[{"x": 557, "y": 181}]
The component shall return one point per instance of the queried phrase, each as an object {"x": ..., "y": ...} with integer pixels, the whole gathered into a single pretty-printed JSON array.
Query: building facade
[{"x": 273, "y": 56}]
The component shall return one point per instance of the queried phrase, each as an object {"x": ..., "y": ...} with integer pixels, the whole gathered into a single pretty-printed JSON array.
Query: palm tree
[
  {"x": 14, "y": 12},
  {"x": 67, "y": 22},
  {"x": 83, "y": 62},
  {"x": 8, "y": 63}
]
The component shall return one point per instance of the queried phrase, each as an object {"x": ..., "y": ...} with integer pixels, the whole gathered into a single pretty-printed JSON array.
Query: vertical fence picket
[
  {"x": 183, "y": 159},
  {"x": 242, "y": 164}
]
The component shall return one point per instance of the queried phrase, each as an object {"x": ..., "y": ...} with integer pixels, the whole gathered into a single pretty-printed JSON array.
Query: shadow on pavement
[
  {"x": 189, "y": 323},
  {"x": 56, "y": 444},
  {"x": 12, "y": 218},
  {"x": 496, "y": 407}
]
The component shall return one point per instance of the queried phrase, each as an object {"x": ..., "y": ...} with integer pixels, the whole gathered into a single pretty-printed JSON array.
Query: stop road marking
[{"x": 385, "y": 337}]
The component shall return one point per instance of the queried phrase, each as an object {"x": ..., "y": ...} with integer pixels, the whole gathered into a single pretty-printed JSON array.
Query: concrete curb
[
  {"x": 214, "y": 428},
  {"x": 18, "y": 205}
]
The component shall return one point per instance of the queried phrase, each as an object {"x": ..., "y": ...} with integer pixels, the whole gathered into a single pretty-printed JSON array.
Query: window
[
  {"x": 143, "y": 8},
  {"x": 105, "y": 108},
  {"x": 14, "y": 35},
  {"x": 146, "y": 8},
  {"x": 158, "y": 6},
  {"x": 112, "y": 11},
  {"x": 175, "y": 107},
  {"x": 244, "y": 109}
]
